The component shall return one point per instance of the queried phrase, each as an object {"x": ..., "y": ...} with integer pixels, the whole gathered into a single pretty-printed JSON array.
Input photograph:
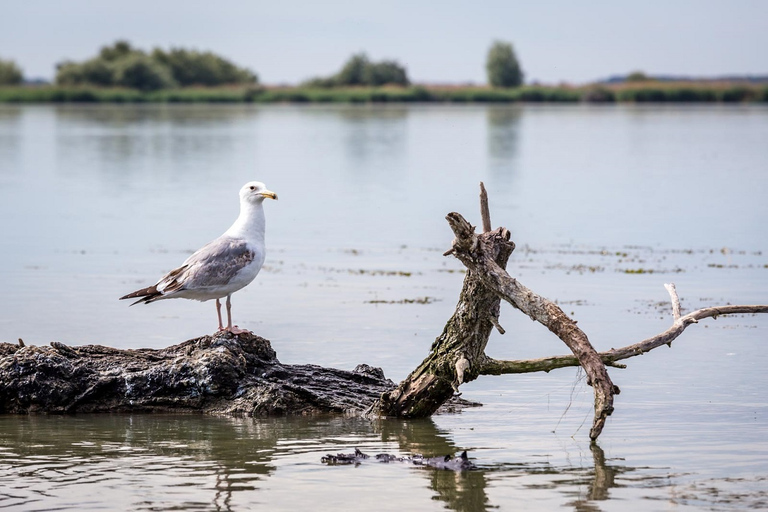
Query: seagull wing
[{"x": 215, "y": 264}]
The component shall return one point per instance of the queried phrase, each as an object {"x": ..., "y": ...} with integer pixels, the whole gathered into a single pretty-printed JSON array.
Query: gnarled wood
[
  {"x": 459, "y": 347},
  {"x": 223, "y": 373},
  {"x": 466, "y": 334},
  {"x": 458, "y": 356}
]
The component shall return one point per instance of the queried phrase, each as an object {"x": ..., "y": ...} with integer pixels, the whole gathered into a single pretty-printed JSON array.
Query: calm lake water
[{"x": 605, "y": 204}]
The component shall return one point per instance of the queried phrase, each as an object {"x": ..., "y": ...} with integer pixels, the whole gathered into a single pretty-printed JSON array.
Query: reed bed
[{"x": 647, "y": 92}]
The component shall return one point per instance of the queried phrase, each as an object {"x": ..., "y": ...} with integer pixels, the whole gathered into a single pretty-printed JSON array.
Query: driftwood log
[
  {"x": 240, "y": 374},
  {"x": 223, "y": 374}
]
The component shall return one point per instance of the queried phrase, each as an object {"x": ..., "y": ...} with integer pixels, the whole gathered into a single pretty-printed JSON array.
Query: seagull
[{"x": 224, "y": 265}]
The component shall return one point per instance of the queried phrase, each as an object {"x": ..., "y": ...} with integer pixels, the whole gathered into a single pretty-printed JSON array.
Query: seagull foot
[{"x": 236, "y": 330}]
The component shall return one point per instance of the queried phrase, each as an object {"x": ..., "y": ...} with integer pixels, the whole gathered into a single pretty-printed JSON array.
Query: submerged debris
[
  {"x": 418, "y": 300},
  {"x": 460, "y": 463}
]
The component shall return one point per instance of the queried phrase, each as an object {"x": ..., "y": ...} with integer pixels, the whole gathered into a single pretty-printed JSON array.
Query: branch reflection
[{"x": 221, "y": 462}]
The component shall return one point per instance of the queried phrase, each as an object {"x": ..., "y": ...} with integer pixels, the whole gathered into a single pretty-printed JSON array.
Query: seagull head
[{"x": 255, "y": 192}]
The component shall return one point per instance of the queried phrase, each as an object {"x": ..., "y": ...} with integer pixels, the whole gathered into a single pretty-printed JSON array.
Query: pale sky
[{"x": 438, "y": 42}]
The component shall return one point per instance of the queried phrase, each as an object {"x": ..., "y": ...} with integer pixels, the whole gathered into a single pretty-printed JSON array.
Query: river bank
[{"x": 646, "y": 92}]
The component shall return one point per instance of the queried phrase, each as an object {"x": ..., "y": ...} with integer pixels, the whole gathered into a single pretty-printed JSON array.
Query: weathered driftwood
[
  {"x": 223, "y": 373},
  {"x": 458, "y": 354}
]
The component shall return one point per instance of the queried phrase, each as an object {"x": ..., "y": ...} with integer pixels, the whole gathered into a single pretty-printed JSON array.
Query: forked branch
[
  {"x": 496, "y": 279},
  {"x": 610, "y": 358},
  {"x": 458, "y": 355}
]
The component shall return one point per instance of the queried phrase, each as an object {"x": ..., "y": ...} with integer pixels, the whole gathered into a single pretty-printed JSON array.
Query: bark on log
[
  {"x": 454, "y": 356},
  {"x": 223, "y": 373}
]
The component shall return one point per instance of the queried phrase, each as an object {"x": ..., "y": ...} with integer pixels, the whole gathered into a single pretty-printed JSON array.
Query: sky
[{"x": 289, "y": 41}]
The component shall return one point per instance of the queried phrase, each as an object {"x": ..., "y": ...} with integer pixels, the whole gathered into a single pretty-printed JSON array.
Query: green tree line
[{"x": 122, "y": 65}]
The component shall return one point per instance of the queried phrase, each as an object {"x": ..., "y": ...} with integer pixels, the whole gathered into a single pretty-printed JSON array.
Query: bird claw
[{"x": 236, "y": 330}]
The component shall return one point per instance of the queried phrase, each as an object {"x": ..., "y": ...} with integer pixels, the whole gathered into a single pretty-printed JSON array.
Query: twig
[
  {"x": 495, "y": 322},
  {"x": 675, "y": 300},
  {"x": 485, "y": 212}
]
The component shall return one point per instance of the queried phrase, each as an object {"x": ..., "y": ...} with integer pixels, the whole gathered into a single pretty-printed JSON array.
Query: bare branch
[
  {"x": 485, "y": 212},
  {"x": 462, "y": 365},
  {"x": 666, "y": 337},
  {"x": 497, "y": 325},
  {"x": 675, "y": 300},
  {"x": 546, "y": 364},
  {"x": 495, "y": 278},
  {"x": 458, "y": 354}
]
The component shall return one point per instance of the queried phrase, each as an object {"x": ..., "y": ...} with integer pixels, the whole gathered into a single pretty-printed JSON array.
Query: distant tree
[
  {"x": 10, "y": 73},
  {"x": 385, "y": 72},
  {"x": 120, "y": 64},
  {"x": 321, "y": 82},
  {"x": 95, "y": 71},
  {"x": 119, "y": 50},
  {"x": 359, "y": 70},
  {"x": 139, "y": 71},
  {"x": 502, "y": 66},
  {"x": 353, "y": 71},
  {"x": 190, "y": 67},
  {"x": 637, "y": 76}
]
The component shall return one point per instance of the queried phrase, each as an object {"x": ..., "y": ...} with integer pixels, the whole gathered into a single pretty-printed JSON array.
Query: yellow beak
[{"x": 269, "y": 194}]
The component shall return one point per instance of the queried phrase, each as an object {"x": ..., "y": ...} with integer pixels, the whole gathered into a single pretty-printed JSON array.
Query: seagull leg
[
  {"x": 218, "y": 312},
  {"x": 232, "y": 328}
]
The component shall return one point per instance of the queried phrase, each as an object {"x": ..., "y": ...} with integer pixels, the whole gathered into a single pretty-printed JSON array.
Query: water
[{"x": 96, "y": 201}]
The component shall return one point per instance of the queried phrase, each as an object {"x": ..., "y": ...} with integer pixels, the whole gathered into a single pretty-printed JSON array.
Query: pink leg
[
  {"x": 232, "y": 328},
  {"x": 218, "y": 312}
]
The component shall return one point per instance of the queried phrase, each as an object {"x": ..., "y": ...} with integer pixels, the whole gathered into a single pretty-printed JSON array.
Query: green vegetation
[
  {"x": 638, "y": 76},
  {"x": 10, "y": 73},
  {"x": 121, "y": 65},
  {"x": 502, "y": 66},
  {"x": 688, "y": 92},
  {"x": 627, "y": 93},
  {"x": 86, "y": 94},
  {"x": 121, "y": 73},
  {"x": 360, "y": 71},
  {"x": 190, "y": 68}
]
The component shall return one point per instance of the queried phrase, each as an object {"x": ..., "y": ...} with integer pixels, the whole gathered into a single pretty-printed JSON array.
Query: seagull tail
[{"x": 146, "y": 295}]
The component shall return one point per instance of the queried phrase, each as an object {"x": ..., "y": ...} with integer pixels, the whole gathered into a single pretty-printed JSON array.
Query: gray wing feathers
[{"x": 214, "y": 264}]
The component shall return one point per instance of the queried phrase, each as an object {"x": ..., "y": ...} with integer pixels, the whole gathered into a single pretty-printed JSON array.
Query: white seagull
[{"x": 224, "y": 265}]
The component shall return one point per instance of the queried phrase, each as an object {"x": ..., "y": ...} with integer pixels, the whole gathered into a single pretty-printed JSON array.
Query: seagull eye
[{"x": 253, "y": 188}]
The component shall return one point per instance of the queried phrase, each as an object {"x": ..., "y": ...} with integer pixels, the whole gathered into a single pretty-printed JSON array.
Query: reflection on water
[
  {"x": 122, "y": 141},
  {"x": 10, "y": 138},
  {"x": 163, "y": 114},
  {"x": 153, "y": 462},
  {"x": 191, "y": 462},
  {"x": 379, "y": 138},
  {"x": 503, "y": 133}
]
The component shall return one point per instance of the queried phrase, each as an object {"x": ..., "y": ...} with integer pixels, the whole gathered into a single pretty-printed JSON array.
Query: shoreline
[{"x": 648, "y": 92}]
